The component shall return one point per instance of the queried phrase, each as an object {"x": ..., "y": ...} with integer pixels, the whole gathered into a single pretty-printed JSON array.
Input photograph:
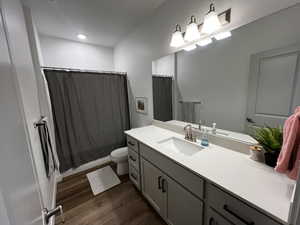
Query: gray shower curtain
[
  {"x": 162, "y": 98},
  {"x": 90, "y": 113}
]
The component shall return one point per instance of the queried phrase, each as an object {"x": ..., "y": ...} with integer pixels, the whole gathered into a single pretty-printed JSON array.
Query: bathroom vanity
[{"x": 188, "y": 184}]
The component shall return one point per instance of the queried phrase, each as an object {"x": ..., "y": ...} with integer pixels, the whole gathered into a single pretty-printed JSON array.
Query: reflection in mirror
[
  {"x": 162, "y": 85},
  {"x": 249, "y": 79}
]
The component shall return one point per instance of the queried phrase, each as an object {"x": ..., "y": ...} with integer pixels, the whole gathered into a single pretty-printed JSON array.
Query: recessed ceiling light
[{"x": 81, "y": 36}]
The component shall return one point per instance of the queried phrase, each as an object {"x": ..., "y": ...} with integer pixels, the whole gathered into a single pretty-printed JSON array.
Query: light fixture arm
[
  {"x": 211, "y": 8},
  {"x": 193, "y": 19},
  {"x": 178, "y": 28}
]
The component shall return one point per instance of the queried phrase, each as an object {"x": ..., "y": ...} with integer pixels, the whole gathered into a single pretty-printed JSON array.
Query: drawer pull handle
[
  {"x": 130, "y": 143},
  {"x": 163, "y": 187},
  {"x": 133, "y": 176},
  {"x": 132, "y": 159},
  {"x": 226, "y": 208},
  {"x": 159, "y": 182}
]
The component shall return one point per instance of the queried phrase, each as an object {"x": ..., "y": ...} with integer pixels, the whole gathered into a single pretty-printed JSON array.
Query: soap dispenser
[{"x": 204, "y": 141}]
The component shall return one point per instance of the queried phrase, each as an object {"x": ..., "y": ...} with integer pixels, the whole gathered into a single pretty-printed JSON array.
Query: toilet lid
[{"x": 120, "y": 153}]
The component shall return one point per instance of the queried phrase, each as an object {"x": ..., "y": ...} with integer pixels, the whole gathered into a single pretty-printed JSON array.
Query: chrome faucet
[
  {"x": 189, "y": 133},
  {"x": 200, "y": 125},
  {"x": 214, "y": 128}
]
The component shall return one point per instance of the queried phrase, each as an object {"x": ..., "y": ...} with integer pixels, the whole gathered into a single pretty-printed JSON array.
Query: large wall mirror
[{"x": 249, "y": 79}]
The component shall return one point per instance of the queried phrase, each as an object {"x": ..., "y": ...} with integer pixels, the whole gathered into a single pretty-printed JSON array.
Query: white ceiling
[{"x": 104, "y": 22}]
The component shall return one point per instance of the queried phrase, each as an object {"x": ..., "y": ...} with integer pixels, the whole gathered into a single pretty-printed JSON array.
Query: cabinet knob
[{"x": 132, "y": 159}]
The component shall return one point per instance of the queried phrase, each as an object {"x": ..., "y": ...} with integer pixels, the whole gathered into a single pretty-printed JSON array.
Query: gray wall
[
  {"x": 218, "y": 73},
  {"x": 164, "y": 65},
  {"x": 59, "y": 52},
  {"x": 151, "y": 40}
]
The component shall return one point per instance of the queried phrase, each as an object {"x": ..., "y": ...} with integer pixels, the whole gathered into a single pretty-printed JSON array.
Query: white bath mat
[{"x": 102, "y": 179}]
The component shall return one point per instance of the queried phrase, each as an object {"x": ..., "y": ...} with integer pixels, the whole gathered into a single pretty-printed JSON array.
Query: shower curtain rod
[{"x": 83, "y": 71}]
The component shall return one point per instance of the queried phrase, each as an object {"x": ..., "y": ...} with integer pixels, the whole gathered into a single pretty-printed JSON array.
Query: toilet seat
[{"x": 119, "y": 154}]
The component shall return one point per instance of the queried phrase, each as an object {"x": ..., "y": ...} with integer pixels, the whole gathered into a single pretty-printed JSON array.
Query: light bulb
[{"x": 81, "y": 36}]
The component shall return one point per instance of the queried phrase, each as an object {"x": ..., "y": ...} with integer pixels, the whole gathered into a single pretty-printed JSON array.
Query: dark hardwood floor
[{"x": 121, "y": 205}]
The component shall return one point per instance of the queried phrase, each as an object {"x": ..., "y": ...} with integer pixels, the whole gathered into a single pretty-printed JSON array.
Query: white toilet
[{"x": 120, "y": 157}]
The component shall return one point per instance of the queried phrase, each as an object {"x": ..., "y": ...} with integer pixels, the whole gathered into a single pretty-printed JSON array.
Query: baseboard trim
[{"x": 86, "y": 166}]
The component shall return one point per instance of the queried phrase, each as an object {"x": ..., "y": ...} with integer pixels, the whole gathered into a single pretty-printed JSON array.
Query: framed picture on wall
[{"x": 141, "y": 105}]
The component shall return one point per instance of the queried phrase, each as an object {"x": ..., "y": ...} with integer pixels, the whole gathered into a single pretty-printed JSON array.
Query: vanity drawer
[
  {"x": 234, "y": 209},
  {"x": 183, "y": 176},
  {"x": 134, "y": 176},
  {"x": 132, "y": 144},
  {"x": 133, "y": 159}
]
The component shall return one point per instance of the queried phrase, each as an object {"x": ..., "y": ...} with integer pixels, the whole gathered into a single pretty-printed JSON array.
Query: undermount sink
[
  {"x": 180, "y": 146},
  {"x": 222, "y": 133}
]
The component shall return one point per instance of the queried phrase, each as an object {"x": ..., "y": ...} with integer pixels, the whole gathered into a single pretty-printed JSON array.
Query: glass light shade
[
  {"x": 211, "y": 23},
  {"x": 190, "y": 48},
  {"x": 177, "y": 39},
  {"x": 204, "y": 42},
  {"x": 81, "y": 36},
  {"x": 222, "y": 35},
  {"x": 192, "y": 32}
]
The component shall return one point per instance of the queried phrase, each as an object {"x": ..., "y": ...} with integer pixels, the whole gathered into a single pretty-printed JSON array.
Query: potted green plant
[{"x": 271, "y": 140}]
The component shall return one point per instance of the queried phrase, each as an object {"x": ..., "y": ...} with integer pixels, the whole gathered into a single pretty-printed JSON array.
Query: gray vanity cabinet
[
  {"x": 180, "y": 196},
  {"x": 173, "y": 202},
  {"x": 134, "y": 162},
  {"x": 235, "y": 210},
  {"x": 183, "y": 207},
  {"x": 213, "y": 218},
  {"x": 154, "y": 187}
]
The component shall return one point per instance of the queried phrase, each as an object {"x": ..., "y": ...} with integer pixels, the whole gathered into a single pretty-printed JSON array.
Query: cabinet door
[
  {"x": 152, "y": 181},
  {"x": 183, "y": 207},
  {"x": 213, "y": 218}
]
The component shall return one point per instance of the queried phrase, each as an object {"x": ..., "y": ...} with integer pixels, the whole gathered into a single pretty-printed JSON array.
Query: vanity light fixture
[
  {"x": 222, "y": 35},
  {"x": 177, "y": 37},
  {"x": 204, "y": 42},
  {"x": 190, "y": 48},
  {"x": 211, "y": 21},
  {"x": 192, "y": 31},
  {"x": 81, "y": 36}
]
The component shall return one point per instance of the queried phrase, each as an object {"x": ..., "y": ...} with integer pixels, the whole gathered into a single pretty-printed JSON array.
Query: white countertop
[
  {"x": 245, "y": 138},
  {"x": 252, "y": 181}
]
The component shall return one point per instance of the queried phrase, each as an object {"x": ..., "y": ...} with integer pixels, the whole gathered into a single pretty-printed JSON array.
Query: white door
[
  {"x": 20, "y": 199},
  {"x": 274, "y": 86}
]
